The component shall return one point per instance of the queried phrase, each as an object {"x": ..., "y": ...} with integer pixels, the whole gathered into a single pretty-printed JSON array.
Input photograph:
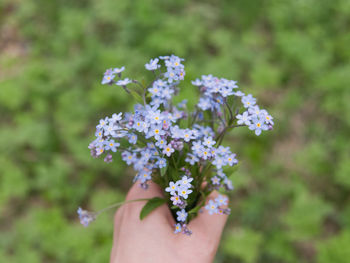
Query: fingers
[{"x": 209, "y": 225}]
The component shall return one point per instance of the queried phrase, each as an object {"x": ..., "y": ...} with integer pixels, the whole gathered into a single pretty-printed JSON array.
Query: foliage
[{"x": 291, "y": 191}]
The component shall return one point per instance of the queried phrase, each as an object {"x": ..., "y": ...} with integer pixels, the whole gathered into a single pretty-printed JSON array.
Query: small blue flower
[
  {"x": 103, "y": 123},
  {"x": 128, "y": 157},
  {"x": 248, "y": 101},
  {"x": 184, "y": 192},
  {"x": 231, "y": 159},
  {"x": 155, "y": 131},
  {"x": 123, "y": 82},
  {"x": 153, "y": 64},
  {"x": 208, "y": 141},
  {"x": 204, "y": 103},
  {"x": 244, "y": 118},
  {"x": 110, "y": 129},
  {"x": 146, "y": 155},
  {"x": 219, "y": 161},
  {"x": 187, "y": 135},
  {"x": 215, "y": 180},
  {"x": 185, "y": 182},
  {"x": 161, "y": 143},
  {"x": 172, "y": 188},
  {"x": 178, "y": 228},
  {"x": 111, "y": 145},
  {"x": 85, "y": 217},
  {"x": 228, "y": 184},
  {"x": 132, "y": 138},
  {"x": 221, "y": 200},
  {"x": 182, "y": 104},
  {"x": 196, "y": 82},
  {"x": 204, "y": 153},
  {"x": 258, "y": 125},
  {"x": 192, "y": 159},
  {"x": 239, "y": 93},
  {"x": 118, "y": 70},
  {"x": 116, "y": 117},
  {"x": 107, "y": 79},
  {"x": 254, "y": 110},
  {"x": 212, "y": 207},
  {"x": 181, "y": 215},
  {"x": 155, "y": 117},
  {"x": 161, "y": 163},
  {"x": 171, "y": 75},
  {"x": 145, "y": 175},
  {"x": 168, "y": 150}
]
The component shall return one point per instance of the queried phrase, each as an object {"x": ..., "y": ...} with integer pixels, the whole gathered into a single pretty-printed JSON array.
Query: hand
[{"x": 152, "y": 239}]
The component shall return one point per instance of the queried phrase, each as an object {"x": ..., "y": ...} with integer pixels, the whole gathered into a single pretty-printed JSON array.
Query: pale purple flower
[{"x": 176, "y": 200}]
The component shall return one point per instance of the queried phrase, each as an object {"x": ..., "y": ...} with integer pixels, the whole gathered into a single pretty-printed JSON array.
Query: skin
[{"x": 152, "y": 239}]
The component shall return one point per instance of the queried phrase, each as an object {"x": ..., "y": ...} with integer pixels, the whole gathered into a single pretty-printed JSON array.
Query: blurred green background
[{"x": 292, "y": 197}]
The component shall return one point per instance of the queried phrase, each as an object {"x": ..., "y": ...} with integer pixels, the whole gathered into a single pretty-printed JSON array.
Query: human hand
[{"x": 152, "y": 239}]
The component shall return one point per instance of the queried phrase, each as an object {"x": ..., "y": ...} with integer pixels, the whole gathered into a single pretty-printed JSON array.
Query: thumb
[{"x": 209, "y": 225}]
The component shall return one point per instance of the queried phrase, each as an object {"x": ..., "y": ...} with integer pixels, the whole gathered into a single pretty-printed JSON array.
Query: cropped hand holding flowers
[{"x": 178, "y": 149}]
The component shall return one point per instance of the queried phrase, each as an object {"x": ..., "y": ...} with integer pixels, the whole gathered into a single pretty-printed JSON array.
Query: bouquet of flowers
[{"x": 178, "y": 149}]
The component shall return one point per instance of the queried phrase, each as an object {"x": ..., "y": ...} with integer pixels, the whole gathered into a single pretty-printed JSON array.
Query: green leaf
[
  {"x": 163, "y": 170},
  {"x": 151, "y": 205}
]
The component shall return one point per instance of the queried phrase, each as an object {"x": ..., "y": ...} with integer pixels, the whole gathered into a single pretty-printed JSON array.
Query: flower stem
[{"x": 120, "y": 204}]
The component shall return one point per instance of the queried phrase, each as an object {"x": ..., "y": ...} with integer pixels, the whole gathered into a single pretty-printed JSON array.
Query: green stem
[{"x": 120, "y": 204}]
